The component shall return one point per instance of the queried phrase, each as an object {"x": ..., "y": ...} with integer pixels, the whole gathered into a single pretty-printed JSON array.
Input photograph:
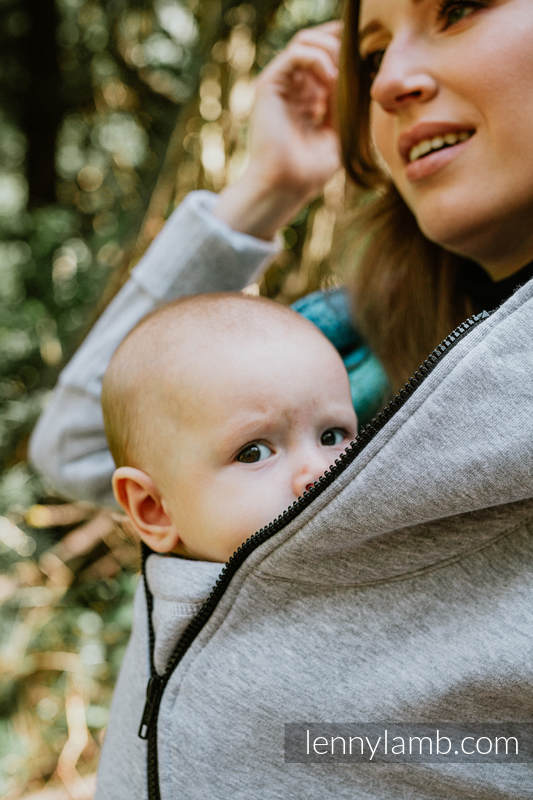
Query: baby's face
[{"x": 255, "y": 426}]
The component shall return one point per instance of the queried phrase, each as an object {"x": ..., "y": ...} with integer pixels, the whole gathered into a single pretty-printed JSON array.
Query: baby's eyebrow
[{"x": 246, "y": 428}]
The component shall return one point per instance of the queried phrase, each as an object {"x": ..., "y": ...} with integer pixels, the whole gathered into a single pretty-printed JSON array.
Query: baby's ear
[{"x": 142, "y": 501}]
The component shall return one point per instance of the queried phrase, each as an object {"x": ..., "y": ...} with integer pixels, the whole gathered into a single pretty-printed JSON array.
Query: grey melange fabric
[{"x": 402, "y": 593}]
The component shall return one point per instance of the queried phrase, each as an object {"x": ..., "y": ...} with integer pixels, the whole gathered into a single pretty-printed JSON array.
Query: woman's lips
[{"x": 431, "y": 163}]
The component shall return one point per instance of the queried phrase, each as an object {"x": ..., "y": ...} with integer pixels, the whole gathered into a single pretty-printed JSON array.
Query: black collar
[{"x": 488, "y": 294}]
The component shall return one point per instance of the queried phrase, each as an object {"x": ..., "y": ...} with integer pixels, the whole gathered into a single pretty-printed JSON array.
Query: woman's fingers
[
  {"x": 313, "y": 49},
  {"x": 313, "y": 60},
  {"x": 318, "y": 61},
  {"x": 329, "y": 42},
  {"x": 293, "y": 146},
  {"x": 331, "y": 28}
]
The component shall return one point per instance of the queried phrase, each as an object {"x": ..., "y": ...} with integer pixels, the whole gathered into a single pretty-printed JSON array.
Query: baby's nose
[{"x": 306, "y": 476}]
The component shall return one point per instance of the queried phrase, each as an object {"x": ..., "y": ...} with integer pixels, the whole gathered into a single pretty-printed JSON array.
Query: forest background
[{"x": 111, "y": 111}]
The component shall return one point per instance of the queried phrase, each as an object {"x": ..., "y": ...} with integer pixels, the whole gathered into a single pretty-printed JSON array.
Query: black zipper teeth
[{"x": 157, "y": 683}]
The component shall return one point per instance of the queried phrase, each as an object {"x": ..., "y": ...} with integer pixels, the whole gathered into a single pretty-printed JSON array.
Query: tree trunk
[{"x": 42, "y": 114}]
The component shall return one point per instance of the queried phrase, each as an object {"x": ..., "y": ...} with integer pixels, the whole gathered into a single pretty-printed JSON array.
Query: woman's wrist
[{"x": 257, "y": 207}]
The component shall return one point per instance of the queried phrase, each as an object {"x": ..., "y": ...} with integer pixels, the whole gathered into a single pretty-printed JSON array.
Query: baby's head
[{"x": 220, "y": 410}]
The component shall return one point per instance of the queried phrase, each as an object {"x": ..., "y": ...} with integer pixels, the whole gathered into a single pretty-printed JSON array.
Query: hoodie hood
[{"x": 461, "y": 445}]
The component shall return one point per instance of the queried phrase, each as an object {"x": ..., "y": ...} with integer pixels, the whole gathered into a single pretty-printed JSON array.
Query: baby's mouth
[{"x": 431, "y": 145}]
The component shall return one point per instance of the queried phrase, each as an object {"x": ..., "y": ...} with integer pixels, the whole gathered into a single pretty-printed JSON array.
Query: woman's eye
[
  {"x": 452, "y": 11},
  {"x": 257, "y": 451},
  {"x": 333, "y": 436},
  {"x": 372, "y": 63}
]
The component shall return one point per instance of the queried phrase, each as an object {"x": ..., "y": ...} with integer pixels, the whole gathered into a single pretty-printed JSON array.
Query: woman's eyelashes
[
  {"x": 372, "y": 63},
  {"x": 448, "y": 14},
  {"x": 253, "y": 452}
]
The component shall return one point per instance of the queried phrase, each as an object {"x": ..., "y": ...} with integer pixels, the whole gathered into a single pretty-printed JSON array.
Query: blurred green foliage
[{"x": 111, "y": 111}]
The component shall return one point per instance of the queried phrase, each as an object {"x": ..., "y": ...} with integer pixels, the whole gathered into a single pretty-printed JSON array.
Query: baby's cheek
[{"x": 249, "y": 501}]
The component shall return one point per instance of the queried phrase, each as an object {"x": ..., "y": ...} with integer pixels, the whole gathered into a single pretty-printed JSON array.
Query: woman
[{"x": 399, "y": 587}]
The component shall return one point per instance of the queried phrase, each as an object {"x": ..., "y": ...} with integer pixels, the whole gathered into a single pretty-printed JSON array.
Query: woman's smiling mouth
[
  {"x": 437, "y": 143},
  {"x": 429, "y": 146}
]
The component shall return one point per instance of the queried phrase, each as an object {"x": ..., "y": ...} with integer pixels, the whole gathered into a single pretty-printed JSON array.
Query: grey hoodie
[{"x": 399, "y": 592}]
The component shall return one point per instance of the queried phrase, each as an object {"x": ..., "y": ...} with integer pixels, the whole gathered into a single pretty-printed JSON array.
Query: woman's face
[{"x": 451, "y": 115}]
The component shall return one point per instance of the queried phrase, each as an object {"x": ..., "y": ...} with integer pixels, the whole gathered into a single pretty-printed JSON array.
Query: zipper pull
[{"x": 154, "y": 691}]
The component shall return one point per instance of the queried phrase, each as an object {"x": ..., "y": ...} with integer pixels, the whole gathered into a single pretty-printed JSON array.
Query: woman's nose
[{"x": 403, "y": 78}]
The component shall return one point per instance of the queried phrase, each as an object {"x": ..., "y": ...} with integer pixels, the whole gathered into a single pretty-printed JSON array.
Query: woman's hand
[
  {"x": 293, "y": 145},
  {"x": 292, "y": 140}
]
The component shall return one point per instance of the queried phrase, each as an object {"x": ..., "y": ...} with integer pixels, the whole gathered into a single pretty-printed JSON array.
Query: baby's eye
[
  {"x": 257, "y": 451},
  {"x": 333, "y": 436}
]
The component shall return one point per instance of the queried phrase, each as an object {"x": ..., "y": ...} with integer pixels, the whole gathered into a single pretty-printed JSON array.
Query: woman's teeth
[{"x": 437, "y": 143}]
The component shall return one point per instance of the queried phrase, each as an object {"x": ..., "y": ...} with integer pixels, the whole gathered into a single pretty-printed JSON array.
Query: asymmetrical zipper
[{"x": 157, "y": 683}]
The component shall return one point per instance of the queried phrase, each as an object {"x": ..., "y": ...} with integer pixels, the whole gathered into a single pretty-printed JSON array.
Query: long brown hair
[{"x": 406, "y": 292}]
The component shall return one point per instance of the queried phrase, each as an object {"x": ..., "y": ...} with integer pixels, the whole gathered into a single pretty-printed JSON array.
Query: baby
[{"x": 220, "y": 410}]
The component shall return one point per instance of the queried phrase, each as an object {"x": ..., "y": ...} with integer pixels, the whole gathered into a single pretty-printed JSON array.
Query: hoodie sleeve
[{"x": 195, "y": 252}]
